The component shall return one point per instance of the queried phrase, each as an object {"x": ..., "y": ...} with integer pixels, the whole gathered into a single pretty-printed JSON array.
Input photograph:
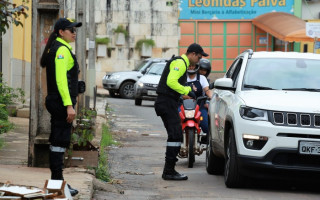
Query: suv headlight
[
  {"x": 140, "y": 84},
  {"x": 253, "y": 114},
  {"x": 114, "y": 76}
]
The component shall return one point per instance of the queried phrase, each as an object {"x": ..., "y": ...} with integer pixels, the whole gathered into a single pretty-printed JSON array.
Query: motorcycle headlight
[
  {"x": 253, "y": 114},
  {"x": 139, "y": 84},
  {"x": 114, "y": 76},
  {"x": 189, "y": 113}
]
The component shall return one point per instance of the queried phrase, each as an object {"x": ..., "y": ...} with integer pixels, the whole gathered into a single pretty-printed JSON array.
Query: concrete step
[{"x": 23, "y": 112}]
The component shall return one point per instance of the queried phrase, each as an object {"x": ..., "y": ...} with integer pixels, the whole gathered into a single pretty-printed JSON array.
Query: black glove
[{"x": 192, "y": 95}]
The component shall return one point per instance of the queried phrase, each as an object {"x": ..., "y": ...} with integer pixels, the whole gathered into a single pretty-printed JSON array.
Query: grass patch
[{"x": 106, "y": 140}]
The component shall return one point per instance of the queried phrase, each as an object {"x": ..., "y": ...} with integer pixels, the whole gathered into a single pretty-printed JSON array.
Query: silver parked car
[
  {"x": 122, "y": 82},
  {"x": 145, "y": 88}
]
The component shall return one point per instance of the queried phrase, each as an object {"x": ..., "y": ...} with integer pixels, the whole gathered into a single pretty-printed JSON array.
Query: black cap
[
  {"x": 197, "y": 49},
  {"x": 64, "y": 23}
]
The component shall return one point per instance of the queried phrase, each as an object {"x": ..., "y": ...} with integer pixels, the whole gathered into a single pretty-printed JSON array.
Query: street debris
[
  {"x": 139, "y": 173},
  {"x": 53, "y": 190}
]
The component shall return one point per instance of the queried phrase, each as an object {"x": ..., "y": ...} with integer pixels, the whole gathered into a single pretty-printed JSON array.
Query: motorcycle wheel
[{"x": 191, "y": 157}]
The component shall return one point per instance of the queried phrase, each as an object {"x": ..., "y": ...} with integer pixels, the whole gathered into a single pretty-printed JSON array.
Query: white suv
[{"x": 264, "y": 118}]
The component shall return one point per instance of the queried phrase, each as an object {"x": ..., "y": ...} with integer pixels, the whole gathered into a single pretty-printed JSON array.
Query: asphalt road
[{"x": 136, "y": 166}]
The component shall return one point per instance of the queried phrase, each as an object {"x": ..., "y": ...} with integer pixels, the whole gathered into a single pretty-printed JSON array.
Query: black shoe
[
  {"x": 203, "y": 140},
  {"x": 73, "y": 191},
  {"x": 174, "y": 176}
]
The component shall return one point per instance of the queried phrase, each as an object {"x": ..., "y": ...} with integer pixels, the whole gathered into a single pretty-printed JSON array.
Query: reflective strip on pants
[
  {"x": 57, "y": 149},
  {"x": 173, "y": 144}
]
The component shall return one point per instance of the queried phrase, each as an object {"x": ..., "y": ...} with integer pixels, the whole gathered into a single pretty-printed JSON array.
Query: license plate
[
  {"x": 152, "y": 93},
  {"x": 309, "y": 148}
]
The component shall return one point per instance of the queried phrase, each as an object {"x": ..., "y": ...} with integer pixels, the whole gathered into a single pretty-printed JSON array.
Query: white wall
[
  {"x": 143, "y": 19},
  {"x": 310, "y": 9}
]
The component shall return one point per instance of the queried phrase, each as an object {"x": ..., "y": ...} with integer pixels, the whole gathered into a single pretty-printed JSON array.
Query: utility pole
[
  {"x": 81, "y": 45},
  {"x": 91, "y": 75}
]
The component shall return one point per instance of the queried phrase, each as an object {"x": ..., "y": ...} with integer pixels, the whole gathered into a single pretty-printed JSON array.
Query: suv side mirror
[{"x": 224, "y": 84}]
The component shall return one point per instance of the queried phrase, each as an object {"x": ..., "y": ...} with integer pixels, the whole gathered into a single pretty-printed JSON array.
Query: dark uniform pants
[
  {"x": 60, "y": 134},
  {"x": 167, "y": 108}
]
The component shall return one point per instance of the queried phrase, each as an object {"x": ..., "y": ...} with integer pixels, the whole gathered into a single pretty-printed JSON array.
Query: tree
[{"x": 10, "y": 13}]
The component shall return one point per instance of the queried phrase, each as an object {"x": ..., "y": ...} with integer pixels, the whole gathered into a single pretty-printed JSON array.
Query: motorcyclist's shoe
[
  {"x": 174, "y": 176},
  {"x": 203, "y": 138}
]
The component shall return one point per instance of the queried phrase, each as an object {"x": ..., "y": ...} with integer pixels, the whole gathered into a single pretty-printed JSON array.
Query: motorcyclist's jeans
[
  {"x": 204, "y": 124},
  {"x": 167, "y": 109}
]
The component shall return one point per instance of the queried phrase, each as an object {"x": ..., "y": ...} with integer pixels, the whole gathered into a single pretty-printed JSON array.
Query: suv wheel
[
  {"x": 137, "y": 102},
  {"x": 127, "y": 90},
  {"x": 214, "y": 164},
  {"x": 232, "y": 177}
]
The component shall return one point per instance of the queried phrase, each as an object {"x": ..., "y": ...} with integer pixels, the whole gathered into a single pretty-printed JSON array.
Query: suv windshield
[
  {"x": 156, "y": 69},
  {"x": 140, "y": 65},
  {"x": 282, "y": 74}
]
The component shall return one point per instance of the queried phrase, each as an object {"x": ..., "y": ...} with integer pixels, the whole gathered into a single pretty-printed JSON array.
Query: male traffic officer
[{"x": 170, "y": 87}]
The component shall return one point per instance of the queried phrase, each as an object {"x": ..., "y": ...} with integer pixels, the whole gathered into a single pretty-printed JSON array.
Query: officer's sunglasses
[{"x": 72, "y": 30}]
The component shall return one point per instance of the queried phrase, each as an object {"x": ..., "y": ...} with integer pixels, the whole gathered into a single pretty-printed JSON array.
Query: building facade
[{"x": 223, "y": 27}]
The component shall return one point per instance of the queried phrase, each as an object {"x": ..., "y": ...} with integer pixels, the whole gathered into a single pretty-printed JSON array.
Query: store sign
[
  {"x": 231, "y": 9},
  {"x": 313, "y": 29},
  {"x": 317, "y": 45}
]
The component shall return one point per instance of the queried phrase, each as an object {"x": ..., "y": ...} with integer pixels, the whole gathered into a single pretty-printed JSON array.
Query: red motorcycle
[{"x": 190, "y": 120}]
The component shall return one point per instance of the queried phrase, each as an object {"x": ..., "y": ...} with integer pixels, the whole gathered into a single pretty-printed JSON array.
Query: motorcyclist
[
  {"x": 205, "y": 68},
  {"x": 200, "y": 87}
]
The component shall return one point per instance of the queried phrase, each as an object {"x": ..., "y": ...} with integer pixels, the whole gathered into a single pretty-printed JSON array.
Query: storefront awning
[{"x": 283, "y": 26}]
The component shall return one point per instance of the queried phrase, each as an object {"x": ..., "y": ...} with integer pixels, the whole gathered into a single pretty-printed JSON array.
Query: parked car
[
  {"x": 122, "y": 82},
  {"x": 264, "y": 118},
  {"x": 145, "y": 88}
]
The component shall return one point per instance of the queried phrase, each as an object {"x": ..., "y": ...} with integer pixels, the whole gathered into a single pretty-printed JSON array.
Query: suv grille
[
  {"x": 295, "y": 119},
  {"x": 151, "y": 85},
  {"x": 317, "y": 120},
  {"x": 292, "y": 118},
  {"x": 278, "y": 118},
  {"x": 293, "y": 159}
]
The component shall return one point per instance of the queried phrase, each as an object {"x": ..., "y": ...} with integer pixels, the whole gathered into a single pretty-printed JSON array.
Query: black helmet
[
  {"x": 193, "y": 71},
  {"x": 205, "y": 64}
]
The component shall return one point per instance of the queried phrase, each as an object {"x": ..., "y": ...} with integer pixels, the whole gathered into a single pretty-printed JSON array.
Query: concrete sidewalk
[{"x": 14, "y": 157}]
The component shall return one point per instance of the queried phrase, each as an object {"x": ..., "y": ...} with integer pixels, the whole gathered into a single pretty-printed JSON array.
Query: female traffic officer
[{"x": 62, "y": 86}]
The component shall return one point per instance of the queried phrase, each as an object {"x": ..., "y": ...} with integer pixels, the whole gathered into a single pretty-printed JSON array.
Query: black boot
[
  {"x": 169, "y": 173},
  {"x": 56, "y": 165}
]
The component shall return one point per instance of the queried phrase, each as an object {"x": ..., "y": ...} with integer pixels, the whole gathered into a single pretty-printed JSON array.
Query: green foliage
[
  {"x": 106, "y": 140},
  {"x": 147, "y": 42},
  {"x": 8, "y": 96},
  {"x": 10, "y": 13},
  {"x": 104, "y": 40},
  {"x": 84, "y": 130},
  {"x": 5, "y": 126},
  {"x": 1, "y": 143},
  {"x": 102, "y": 169},
  {"x": 120, "y": 29}
]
